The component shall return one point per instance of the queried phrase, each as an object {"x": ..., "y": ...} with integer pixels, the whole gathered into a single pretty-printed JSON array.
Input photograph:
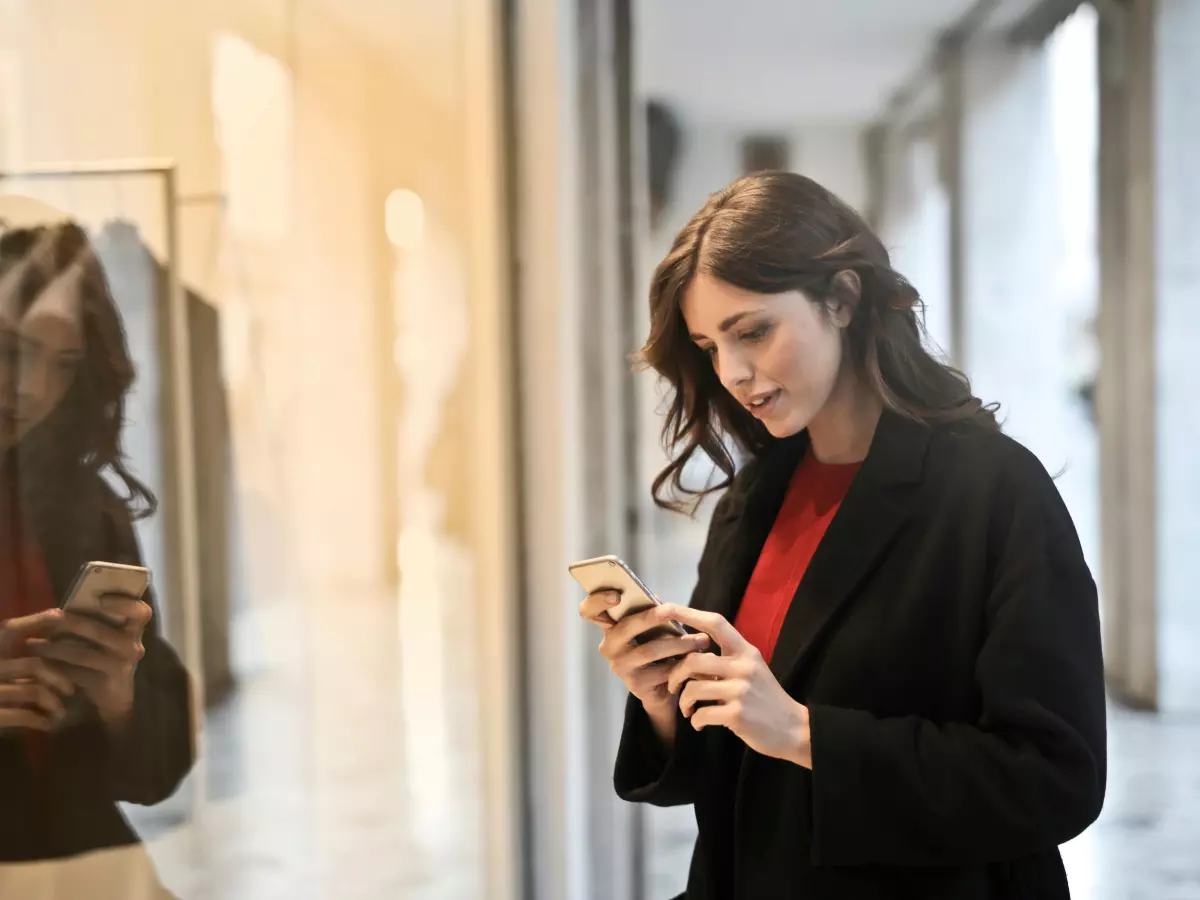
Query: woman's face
[
  {"x": 779, "y": 355},
  {"x": 41, "y": 350}
]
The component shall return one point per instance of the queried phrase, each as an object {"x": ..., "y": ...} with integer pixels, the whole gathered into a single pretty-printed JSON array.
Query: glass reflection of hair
[
  {"x": 123, "y": 730},
  {"x": 81, "y": 435}
]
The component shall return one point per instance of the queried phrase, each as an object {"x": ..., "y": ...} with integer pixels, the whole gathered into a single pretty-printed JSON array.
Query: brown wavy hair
[
  {"x": 80, "y": 441},
  {"x": 770, "y": 233}
]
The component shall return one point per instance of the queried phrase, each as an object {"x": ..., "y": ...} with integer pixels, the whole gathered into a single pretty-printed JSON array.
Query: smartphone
[
  {"x": 95, "y": 579},
  {"x": 608, "y": 573}
]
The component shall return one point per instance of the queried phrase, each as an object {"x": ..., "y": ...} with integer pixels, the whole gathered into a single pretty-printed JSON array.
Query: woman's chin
[{"x": 785, "y": 426}]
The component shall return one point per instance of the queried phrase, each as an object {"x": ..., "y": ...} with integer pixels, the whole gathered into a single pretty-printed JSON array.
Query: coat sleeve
[
  {"x": 647, "y": 772},
  {"x": 148, "y": 763},
  {"x": 1029, "y": 774}
]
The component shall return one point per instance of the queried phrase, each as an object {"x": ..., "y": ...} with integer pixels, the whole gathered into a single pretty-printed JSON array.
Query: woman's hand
[
  {"x": 646, "y": 667},
  {"x": 31, "y": 691},
  {"x": 746, "y": 697},
  {"x": 101, "y": 656}
]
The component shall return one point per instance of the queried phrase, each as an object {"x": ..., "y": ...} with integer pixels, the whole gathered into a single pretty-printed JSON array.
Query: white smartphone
[
  {"x": 95, "y": 579},
  {"x": 608, "y": 573}
]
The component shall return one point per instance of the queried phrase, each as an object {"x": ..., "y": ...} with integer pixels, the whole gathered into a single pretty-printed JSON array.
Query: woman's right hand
[
  {"x": 645, "y": 668},
  {"x": 31, "y": 689}
]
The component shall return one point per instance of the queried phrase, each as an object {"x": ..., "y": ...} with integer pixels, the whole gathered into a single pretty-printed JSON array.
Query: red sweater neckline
[{"x": 814, "y": 495}]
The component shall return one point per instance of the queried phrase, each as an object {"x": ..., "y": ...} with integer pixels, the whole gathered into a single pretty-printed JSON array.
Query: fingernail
[{"x": 612, "y": 599}]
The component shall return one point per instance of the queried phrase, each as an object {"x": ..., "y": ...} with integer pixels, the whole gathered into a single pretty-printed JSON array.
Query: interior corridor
[{"x": 382, "y": 264}]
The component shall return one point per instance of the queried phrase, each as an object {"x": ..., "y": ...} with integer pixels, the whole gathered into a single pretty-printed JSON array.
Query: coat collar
[{"x": 868, "y": 519}]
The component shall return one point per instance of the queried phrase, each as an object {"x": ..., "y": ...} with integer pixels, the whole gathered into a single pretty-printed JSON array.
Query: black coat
[
  {"x": 71, "y": 806},
  {"x": 946, "y": 640}
]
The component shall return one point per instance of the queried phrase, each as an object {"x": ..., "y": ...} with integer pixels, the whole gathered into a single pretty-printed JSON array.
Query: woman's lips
[{"x": 764, "y": 405}]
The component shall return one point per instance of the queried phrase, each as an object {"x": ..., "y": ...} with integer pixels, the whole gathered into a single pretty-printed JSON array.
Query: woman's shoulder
[
  {"x": 982, "y": 446},
  {"x": 986, "y": 461}
]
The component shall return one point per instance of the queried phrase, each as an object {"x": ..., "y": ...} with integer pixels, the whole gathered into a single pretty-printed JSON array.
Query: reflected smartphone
[
  {"x": 95, "y": 579},
  {"x": 608, "y": 573}
]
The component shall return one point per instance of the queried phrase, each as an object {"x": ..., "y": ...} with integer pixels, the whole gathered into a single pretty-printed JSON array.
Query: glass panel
[{"x": 331, "y": 641}]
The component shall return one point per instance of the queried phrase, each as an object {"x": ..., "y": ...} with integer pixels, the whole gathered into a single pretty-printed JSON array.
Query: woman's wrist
[
  {"x": 801, "y": 738},
  {"x": 116, "y": 719},
  {"x": 664, "y": 718}
]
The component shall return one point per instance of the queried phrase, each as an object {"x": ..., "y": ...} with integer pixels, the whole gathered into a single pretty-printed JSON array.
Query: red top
[
  {"x": 25, "y": 586},
  {"x": 813, "y": 497}
]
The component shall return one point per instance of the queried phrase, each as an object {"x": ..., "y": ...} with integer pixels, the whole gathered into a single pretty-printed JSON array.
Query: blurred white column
[
  {"x": 493, "y": 433},
  {"x": 575, "y": 405},
  {"x": 1176, "y": 85},
  {"x": 1126, "y": 389}
]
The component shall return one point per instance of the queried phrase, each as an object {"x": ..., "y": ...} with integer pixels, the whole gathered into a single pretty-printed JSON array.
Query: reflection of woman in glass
[
  {"x": 909, "y": 695},
  {"x": 64, "y": 374}
]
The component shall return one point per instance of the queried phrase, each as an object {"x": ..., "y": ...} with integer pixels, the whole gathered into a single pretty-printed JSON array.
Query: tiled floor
[
  {"x": 335, "y": 771},
  {"x": 1146, "y": 844}
]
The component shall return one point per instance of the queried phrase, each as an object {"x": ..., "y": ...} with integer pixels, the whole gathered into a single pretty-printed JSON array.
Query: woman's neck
[{"x": 842, "y": 431}]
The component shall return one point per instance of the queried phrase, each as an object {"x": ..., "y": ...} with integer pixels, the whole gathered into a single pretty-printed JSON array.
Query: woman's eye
[{"x": 756, "y": 334}]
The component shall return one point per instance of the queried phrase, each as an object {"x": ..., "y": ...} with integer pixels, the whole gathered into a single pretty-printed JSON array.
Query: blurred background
[{"x": 382, "y": 264}]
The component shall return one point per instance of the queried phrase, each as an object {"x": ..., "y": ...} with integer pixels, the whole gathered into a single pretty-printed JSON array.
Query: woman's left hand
[
  {"x": 101, "y": 657},
  {"x": 746, "y": 697}
]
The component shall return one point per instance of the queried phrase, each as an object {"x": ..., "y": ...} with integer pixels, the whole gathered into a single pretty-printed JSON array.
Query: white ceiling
[
  {"x": 767, "y": 63},
  {"x": 745, "y": 63}
]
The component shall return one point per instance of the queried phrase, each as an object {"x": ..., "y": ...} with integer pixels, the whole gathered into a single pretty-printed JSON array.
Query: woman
[
  {"x": 907, "y": 698},
  {"x": 90, "y": 713}
]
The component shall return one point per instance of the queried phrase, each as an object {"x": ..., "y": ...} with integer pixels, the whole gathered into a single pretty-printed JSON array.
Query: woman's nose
[
  {"x": 8, "y": 382},
  {"x": 34, "y": 381},
  {"x": 734, "y": 371}
]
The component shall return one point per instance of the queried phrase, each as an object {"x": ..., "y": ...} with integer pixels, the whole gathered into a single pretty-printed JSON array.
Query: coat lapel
[{"x": 874, "y": 509}]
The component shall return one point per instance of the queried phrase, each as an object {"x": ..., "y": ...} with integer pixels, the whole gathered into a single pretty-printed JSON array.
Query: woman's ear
[{"x": 844, "y": 294}]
